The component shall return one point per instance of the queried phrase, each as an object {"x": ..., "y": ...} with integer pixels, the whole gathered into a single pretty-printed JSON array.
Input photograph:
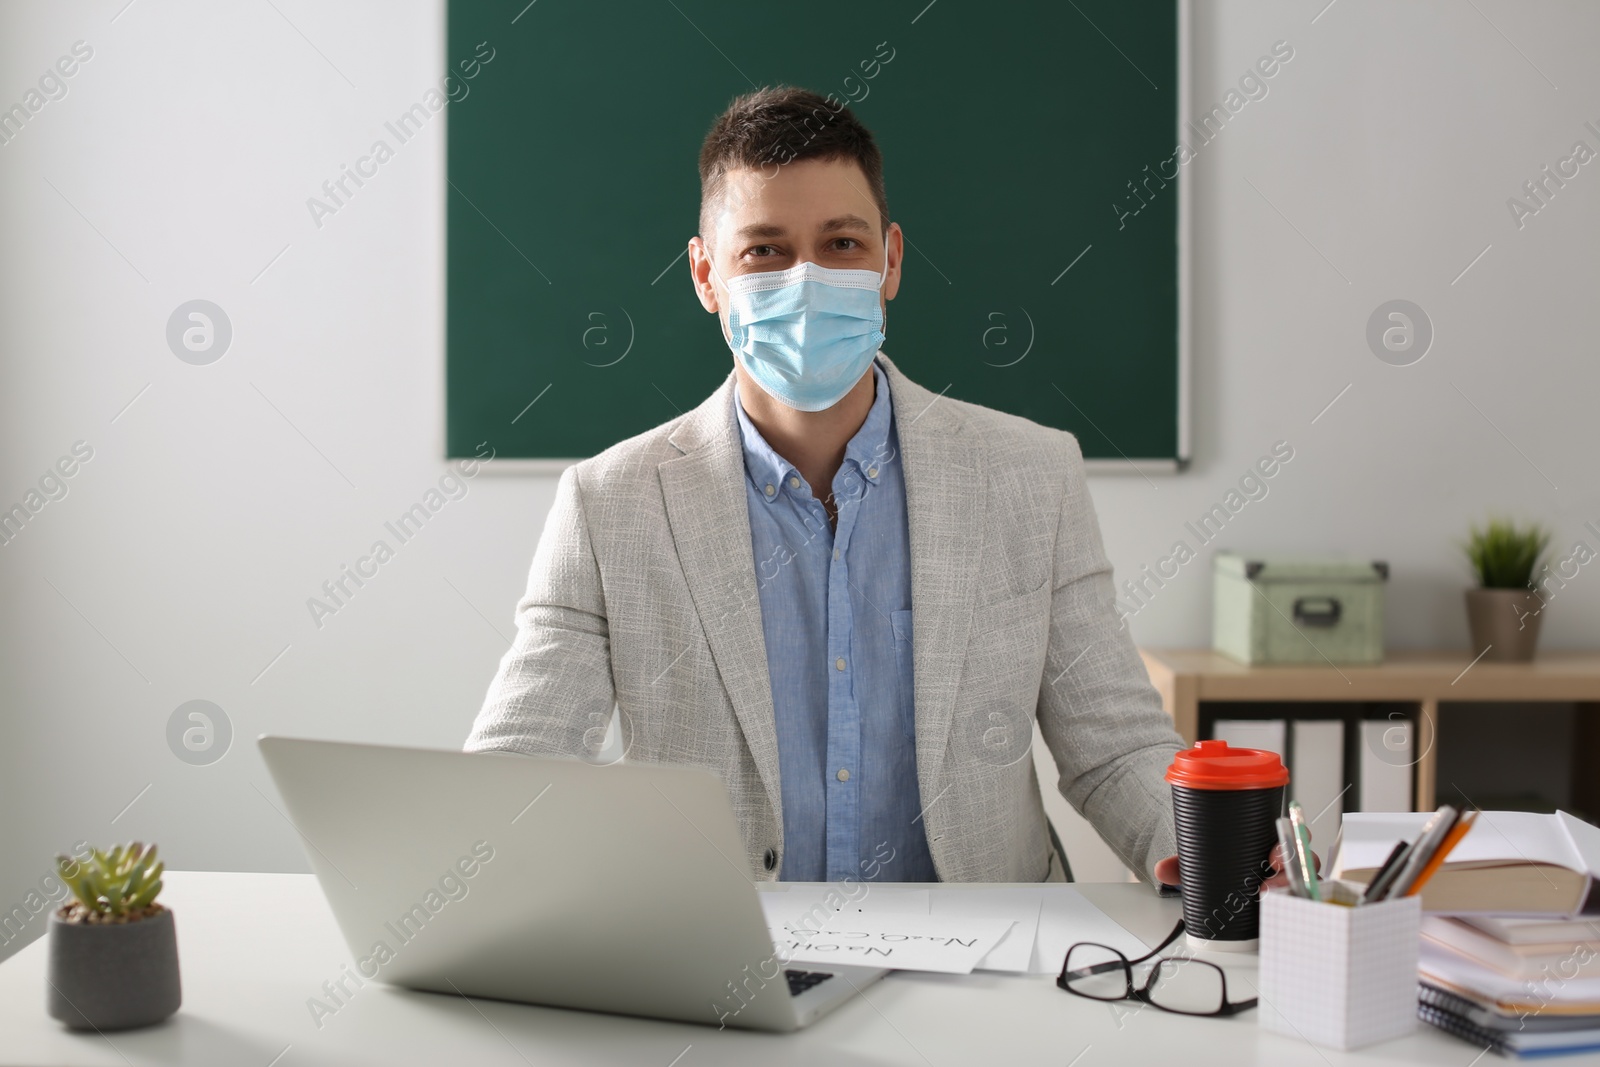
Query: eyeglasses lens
[
  {"x": 1192, "y": 987},
  {"x": 1098, "y": 972}
]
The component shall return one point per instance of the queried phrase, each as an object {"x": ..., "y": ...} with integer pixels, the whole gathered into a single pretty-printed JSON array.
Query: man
[{"x": 846, "y": 595}]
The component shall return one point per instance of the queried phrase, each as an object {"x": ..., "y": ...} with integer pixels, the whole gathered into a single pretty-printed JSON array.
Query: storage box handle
[{"x": 1317, "y": 611}]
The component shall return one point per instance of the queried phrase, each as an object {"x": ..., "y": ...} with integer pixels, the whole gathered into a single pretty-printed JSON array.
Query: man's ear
[
  {"x": 700, "y": 270},
  {"x": 896, "y": 247}
]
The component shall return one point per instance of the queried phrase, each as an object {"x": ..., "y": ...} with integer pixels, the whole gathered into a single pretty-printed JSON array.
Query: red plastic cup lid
[{"x": 1217, "y": 765}]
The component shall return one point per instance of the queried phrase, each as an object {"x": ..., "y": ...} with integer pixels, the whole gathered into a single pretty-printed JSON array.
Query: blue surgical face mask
[{"x": 806, "y": 334}]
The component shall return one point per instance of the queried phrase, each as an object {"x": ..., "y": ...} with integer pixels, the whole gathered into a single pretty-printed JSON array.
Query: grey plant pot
[
  {"x": 1506, "y": 621},
  {"x": 113, "y": 976}
]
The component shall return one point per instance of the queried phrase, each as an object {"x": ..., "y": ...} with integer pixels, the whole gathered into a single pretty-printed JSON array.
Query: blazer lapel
[
  {"x": 706, "y": 508},
  {"x": 945, "y": 491}
]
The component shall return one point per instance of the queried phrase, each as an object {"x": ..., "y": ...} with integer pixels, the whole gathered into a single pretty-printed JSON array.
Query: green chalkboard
[{"x": 1023, "y": 145}]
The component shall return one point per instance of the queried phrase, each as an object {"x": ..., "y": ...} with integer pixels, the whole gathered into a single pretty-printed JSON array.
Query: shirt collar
[{"x": 868, "y": 449}]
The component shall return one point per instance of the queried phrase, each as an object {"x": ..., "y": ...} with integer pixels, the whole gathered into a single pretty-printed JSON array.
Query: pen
[
  {"x": 1452, "y": 839},
  {"x": 1289, "y": 858},
  {"x": 1427, "y": 843},
  {"x": 1297, "y": 818},
  {"x": 1385, "y": 874}
]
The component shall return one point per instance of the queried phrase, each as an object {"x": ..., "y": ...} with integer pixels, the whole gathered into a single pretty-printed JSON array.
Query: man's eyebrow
[
  {"x": 760, "y": 229},
  {"x": 833, "y": 225},
  {"x": 845, "y": 222}
]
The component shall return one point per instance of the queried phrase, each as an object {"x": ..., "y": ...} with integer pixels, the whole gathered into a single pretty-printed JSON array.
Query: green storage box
[{"x": 1298, "y": 610}]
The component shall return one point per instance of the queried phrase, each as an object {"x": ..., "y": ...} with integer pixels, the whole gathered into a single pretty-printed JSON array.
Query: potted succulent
[
  {"x": 113, "y": 949},
  {"x": 1504, "y": 612}
]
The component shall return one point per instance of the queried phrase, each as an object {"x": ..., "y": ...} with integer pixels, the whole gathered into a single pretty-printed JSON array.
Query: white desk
[{"x": 255, "y": 947}]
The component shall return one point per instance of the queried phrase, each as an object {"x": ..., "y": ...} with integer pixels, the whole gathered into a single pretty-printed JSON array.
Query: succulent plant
[
  {"x": 113, "y": 886},
  {"x": 1504, "y": 555}
]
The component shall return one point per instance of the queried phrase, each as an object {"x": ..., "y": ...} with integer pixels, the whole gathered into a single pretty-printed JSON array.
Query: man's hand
[{"x": 1167, "y": 870}]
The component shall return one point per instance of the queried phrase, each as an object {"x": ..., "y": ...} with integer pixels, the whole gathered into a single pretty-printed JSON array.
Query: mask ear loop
[
  {"x": 883, "y": 320},
  {"x": 711, "y": 261}
]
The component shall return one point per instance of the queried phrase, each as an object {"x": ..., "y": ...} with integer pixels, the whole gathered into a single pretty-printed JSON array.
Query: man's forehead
[{"x": 811, "y": 195}]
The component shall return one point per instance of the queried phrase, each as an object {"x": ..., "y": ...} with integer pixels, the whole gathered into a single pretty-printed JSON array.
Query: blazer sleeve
[
  {"x": 1098, "y": 712},
  {"x": 553, "y": 693}
]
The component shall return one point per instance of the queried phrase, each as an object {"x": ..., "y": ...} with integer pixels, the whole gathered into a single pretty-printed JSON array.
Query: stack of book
[
  {"x": 1510, "y": 954},
  {"x": 1524, "y": 987}
]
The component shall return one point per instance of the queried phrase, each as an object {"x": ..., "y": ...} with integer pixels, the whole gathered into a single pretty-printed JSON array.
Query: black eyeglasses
[{"x": 1180, "y": 985}]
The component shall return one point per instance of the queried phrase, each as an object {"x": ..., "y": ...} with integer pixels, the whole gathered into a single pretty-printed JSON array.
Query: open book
[{"x": 1510, "y": 862}]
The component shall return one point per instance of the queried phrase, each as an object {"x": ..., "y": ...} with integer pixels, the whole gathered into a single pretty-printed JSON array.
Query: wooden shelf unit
[{"x": 1188, "y": 678}]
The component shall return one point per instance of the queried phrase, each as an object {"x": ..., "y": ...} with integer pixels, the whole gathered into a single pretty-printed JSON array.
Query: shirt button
[
  {"x": 844, "y": 775},
  {"x": 794, "y": 483},
  {"x": 836, "y": 553},
  {"x": 771, "y": 490},
  {"x": 839, "y": 663},
  {"x": 770, "y": 859},
  {"x": 872, "y": 472}
]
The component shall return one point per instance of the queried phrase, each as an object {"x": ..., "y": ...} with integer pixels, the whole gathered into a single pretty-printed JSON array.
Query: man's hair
[{"x": 766, "y": 129}]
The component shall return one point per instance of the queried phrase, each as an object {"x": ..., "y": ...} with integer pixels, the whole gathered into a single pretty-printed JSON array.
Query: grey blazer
[{"x": 642, "y": 596}]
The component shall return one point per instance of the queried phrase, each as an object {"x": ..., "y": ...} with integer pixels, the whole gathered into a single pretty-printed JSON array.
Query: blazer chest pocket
[
  {"x": 1014, "y": 608},
  {"x": 1008, "y": 642}
]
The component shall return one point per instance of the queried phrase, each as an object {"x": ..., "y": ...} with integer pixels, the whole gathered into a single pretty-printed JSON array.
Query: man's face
[{"x": 814, "y": 210}]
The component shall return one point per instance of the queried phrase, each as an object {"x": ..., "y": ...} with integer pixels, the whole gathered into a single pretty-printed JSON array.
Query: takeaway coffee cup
[{"x": 1225, "y": 802}]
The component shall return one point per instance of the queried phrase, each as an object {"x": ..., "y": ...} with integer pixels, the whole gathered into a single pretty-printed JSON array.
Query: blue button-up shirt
[{"x": 836, "y": 615}]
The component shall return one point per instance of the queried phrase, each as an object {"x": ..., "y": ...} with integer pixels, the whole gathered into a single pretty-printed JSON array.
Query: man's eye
[
  {"x": 762, "y": 250},
  {"x": 846, "y": 244}
]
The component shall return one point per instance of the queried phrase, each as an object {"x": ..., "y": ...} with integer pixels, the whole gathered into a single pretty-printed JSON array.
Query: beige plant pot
[{"x": 1506, "y": 622}]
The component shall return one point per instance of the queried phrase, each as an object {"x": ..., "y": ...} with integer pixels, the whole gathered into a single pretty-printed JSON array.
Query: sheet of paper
[
  {"x": 1068, "y": 918},
  {"x": 900, "y": 942},
  {"x": 808, "y": 904},
  {"x": 1041, "y": 922},
  {"x": 1022, "y": 906}
]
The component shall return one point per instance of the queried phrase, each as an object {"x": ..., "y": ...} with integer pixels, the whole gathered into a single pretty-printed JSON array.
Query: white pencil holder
[{"x": 1336, "y": 976}]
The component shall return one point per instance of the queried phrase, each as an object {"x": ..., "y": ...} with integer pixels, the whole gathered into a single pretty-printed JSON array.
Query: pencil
[
  {"x": 1423, "y": 848},
  {"x": 1450, "y": 842}
]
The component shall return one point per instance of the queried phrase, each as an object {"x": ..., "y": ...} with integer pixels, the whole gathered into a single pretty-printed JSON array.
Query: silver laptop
[{"x": 549, "y": 881}]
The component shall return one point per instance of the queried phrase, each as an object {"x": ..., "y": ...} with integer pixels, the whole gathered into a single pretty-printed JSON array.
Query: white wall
[
  {"x": 178, "y": 565},
  {"x": 1388, "y": 146}
]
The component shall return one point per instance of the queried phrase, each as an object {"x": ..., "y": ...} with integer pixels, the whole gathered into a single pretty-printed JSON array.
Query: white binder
[
  {"x": 1267, "y": 734},
  {"x": 1316, "y": 775},
  {"x": 1386, "y": 762}
]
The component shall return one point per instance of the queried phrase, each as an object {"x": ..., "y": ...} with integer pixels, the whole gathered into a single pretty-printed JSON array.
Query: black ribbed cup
[{"x": 1224, "y": 839}]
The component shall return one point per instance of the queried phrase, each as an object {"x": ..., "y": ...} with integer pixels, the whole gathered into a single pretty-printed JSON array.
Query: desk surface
[{"x": 255, "y": 947}]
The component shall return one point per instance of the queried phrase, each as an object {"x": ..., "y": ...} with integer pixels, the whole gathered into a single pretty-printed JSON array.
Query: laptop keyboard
[{"x": 800, "y": 981}]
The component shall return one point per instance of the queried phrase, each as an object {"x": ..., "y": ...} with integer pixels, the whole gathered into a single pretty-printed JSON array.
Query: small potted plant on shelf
[
  {"x": 1504, "y": 612},
  {"x": 113, "y": 949}
]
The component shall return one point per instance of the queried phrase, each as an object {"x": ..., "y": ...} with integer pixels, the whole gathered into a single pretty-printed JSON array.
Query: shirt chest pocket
[{"x": 901, "y": 622}]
